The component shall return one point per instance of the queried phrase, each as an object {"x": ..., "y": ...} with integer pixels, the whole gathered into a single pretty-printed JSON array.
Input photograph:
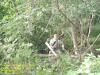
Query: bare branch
[
  {"x": 46, "y": 26},
  {"x": 90, "y": 25},
  {"x": 64, "y": 14},
  {"x": 91, "y": 45}
]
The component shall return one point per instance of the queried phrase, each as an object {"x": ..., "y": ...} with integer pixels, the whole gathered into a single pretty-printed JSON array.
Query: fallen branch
[{"x": 51, "y": 49}]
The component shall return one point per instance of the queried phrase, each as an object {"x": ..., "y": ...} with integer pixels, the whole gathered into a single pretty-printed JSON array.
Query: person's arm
[
  {"x": 63, "y": 46},
  {"x": 48, "y": 39}
]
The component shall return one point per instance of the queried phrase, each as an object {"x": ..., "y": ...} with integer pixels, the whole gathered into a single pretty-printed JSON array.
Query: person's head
[{"x": 56, "y": 36}]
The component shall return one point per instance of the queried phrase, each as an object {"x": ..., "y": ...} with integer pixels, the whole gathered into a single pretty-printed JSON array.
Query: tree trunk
[{"x": 74, "y": 38}]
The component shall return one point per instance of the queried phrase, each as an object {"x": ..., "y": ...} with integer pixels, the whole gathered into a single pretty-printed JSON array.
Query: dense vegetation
[{"x": 26, "y": 24}]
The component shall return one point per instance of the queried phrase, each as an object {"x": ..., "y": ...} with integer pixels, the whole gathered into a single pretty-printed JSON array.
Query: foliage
[{"x": 26, "y": 24}]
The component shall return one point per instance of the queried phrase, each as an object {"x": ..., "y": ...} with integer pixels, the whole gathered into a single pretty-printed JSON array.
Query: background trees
[{"x": 26, "y": 24}]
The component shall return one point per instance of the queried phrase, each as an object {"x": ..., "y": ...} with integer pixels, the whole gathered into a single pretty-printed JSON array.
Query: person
[{"x": 56, "y": 43}]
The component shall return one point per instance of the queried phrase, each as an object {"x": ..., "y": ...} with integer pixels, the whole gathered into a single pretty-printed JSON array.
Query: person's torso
[{"x": 56, "y": 43}]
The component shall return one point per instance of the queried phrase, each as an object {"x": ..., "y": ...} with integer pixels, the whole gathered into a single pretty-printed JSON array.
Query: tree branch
[
  {"x": 64, "y": 14},
  {"x": 91, "y": 45},
  {"x": 46, "y": 26}
]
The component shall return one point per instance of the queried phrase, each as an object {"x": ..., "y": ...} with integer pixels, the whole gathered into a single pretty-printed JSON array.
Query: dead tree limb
[
  {"x": 51, "y": 49},
  {"x": 90, "y": 25},
  {"x": 91, "y": 45},
  {"x": 89, "y": 29}
]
